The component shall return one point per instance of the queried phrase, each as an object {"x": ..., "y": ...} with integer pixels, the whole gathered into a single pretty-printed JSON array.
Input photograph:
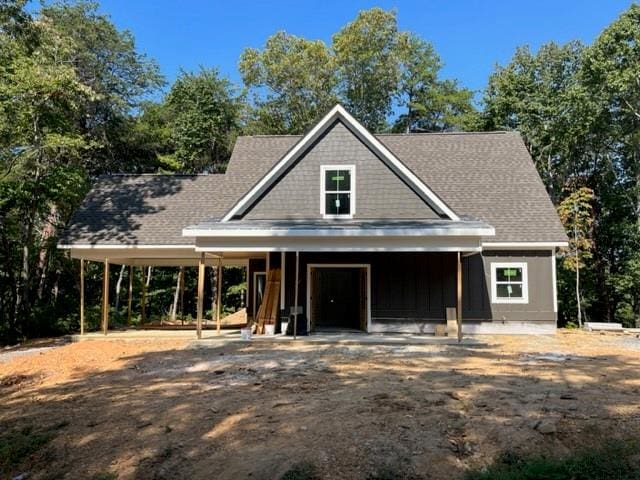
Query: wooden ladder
[{"x": 268, "y": 311}]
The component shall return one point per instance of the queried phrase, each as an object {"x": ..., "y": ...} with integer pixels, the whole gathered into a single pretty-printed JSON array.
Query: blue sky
[{"x": 471, "y": 36}]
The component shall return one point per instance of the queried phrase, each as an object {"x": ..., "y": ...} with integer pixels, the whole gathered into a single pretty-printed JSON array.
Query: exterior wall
[
  {"x": 477, "y": 288},
  {"x": 411, "y": 291},
  {"x": 380, "y": 194}
]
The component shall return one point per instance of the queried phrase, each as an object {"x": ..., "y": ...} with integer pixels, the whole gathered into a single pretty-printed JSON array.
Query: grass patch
[
  {"x": 617, "y": 461},
  {"x": 18, "y": 445}
]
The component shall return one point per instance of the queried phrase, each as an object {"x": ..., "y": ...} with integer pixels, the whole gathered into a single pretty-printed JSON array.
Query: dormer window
[{"x": 337, "y": 187}]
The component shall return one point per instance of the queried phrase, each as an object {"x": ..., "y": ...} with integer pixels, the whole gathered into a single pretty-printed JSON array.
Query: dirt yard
[{"x": 143, "y": 410}]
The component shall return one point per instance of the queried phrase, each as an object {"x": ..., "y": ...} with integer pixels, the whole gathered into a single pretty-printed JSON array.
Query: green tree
[
  {"x": 367, "y": 59},
  {"x": 204, "y": 111},
  {"x": 293, "y": 81},
  {"x": 431, "y": 104},
  {"x": 576, "y": 214},
  {"x": 540, "y": 95},
  {"x": 105, "y": 60}
]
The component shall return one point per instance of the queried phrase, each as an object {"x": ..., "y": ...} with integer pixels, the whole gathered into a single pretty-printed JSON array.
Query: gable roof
[
  {"x": 338, "y": 113},
  {"x": 488, "y": 177}
]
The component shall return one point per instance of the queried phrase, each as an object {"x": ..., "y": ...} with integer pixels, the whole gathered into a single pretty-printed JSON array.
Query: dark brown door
[{"x": 336, "y": 298}]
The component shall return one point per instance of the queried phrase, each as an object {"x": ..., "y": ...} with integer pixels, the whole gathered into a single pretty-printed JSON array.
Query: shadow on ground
[{"x": 256, "y": 411}]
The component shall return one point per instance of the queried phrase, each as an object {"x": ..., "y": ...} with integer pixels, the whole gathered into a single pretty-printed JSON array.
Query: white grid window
[
  {"x": 337, "y": 190},
  {"x": 509, "y": 283}
]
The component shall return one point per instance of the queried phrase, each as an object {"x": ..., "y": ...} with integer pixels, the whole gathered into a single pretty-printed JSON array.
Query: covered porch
[{"x": 135, "y": 262}]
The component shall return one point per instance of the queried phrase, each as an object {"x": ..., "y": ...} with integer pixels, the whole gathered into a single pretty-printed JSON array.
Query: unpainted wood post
[
  {"x": 459, "y": 296},
  {"x": 105, "y": 297},
  {"x": 295, "y": 307},
  {"x": 200, "y": 301},
  {"x": 219, "y": 298},
  {"x": 143, "y": 300},
  {"x": 81, "y": 296},
  {"x": 130, "y": 302},
  {"x": 182, "y": 273}
]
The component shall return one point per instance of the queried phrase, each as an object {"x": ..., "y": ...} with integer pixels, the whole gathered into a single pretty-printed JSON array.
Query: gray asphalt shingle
[{"x": 488, "y": 176}]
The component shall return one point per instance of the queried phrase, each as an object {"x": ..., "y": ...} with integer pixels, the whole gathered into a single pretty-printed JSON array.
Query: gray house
[{"x": 379, "y": 233}]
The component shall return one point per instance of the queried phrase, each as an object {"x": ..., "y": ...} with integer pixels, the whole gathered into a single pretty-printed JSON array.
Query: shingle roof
[
  {"x": 487, "y": 176},
  {"x": 145, "y": 209}
]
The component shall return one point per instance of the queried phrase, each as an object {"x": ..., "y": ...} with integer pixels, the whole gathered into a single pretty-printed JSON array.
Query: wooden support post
[
  {"x": 130, "y": 303},
  {"x": 219, "y": 297},
  {"x": 81, "y": 296},
  {"x": 459, "y": 296},
  {"x": 200, "y": 301},
  {"x": 295, "y": 305},
  {"x": 143, "y": 300},
  {"x": 283, "y": 256},
  {"x": 182, "y": 272},
  {"x": 105, "y": 297}
]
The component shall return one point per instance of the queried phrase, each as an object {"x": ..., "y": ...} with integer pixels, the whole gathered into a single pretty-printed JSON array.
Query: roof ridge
[
  {"x": 385, "y": 134},
  {"x": 159, "y": 174},
  {"x": 417, "y": 134}
]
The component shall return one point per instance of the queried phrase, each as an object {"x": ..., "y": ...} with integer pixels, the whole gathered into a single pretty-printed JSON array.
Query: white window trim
[
  {"x": 525, "y": 282},
  {"x": 352, "y": 190}
]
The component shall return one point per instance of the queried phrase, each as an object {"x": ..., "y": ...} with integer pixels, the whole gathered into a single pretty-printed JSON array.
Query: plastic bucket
[
  {"x": 270, "y": 329},
  {"x": 283, "y": 327},
  {"x": 245, "y": 333}
]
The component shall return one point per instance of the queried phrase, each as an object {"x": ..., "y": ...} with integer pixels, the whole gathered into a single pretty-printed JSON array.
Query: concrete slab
[{"x": 231, "y": 336}]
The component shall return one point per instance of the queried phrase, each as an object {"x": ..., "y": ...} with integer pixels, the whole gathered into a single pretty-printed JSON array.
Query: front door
[{"x": 336, "y": 298}]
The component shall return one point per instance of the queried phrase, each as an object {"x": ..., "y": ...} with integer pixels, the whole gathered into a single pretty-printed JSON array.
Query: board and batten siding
[
  {"x": 411, "y": 291},
  {"x": 380, "y": 193}
]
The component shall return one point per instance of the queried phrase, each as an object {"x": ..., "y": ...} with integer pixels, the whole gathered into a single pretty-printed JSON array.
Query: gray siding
[
  {"x": 540, "y": 278},
  {"x": 410, "y": 291},
  {"x": 380, "y": 193}
]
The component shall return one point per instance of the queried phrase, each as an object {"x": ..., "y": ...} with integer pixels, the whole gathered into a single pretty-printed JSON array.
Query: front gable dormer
[{"x": 340, "y": 171}]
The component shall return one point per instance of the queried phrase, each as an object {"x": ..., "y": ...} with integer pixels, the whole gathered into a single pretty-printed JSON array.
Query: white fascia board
[
  {"x": 328, "y": 118},
  {"x": 325, "y": 248},
  {"x": 98, "y": 246},
  {"x": 336, "y": 112},
  {"x": 343, "y": 232},
  {"x": 378, "y": 145},
  {"x": 525, "y": 245}
]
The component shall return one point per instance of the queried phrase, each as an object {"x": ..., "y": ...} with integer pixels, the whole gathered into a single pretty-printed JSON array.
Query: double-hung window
[
  {"x": 337, "y": 189},
  {"x": 509, "y": 283}
]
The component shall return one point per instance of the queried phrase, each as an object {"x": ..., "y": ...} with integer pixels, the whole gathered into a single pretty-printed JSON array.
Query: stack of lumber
[{"x": 270, "y": 306}]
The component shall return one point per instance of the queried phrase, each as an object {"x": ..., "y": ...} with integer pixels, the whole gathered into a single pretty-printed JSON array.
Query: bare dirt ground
[{"x": 152, "y": 410}]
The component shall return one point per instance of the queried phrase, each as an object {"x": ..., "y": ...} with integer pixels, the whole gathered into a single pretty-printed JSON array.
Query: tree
[
  {"x": 366, "y": 55},
  {"x": 105, "y": 60},
  {"x": 576, "y": 214},
  {"x": 293, "y": 81},
  {"x": 540, "y": 96},
  {"x": 40, "y": 155},
  {"x": 431, "y": 104},
  {"x": 204, "y": 112}
]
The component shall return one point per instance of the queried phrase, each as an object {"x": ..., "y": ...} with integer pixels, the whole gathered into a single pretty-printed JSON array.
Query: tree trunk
[
  {"x": 578, "y": 301},
  {"x": 48, "y": 231}
]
